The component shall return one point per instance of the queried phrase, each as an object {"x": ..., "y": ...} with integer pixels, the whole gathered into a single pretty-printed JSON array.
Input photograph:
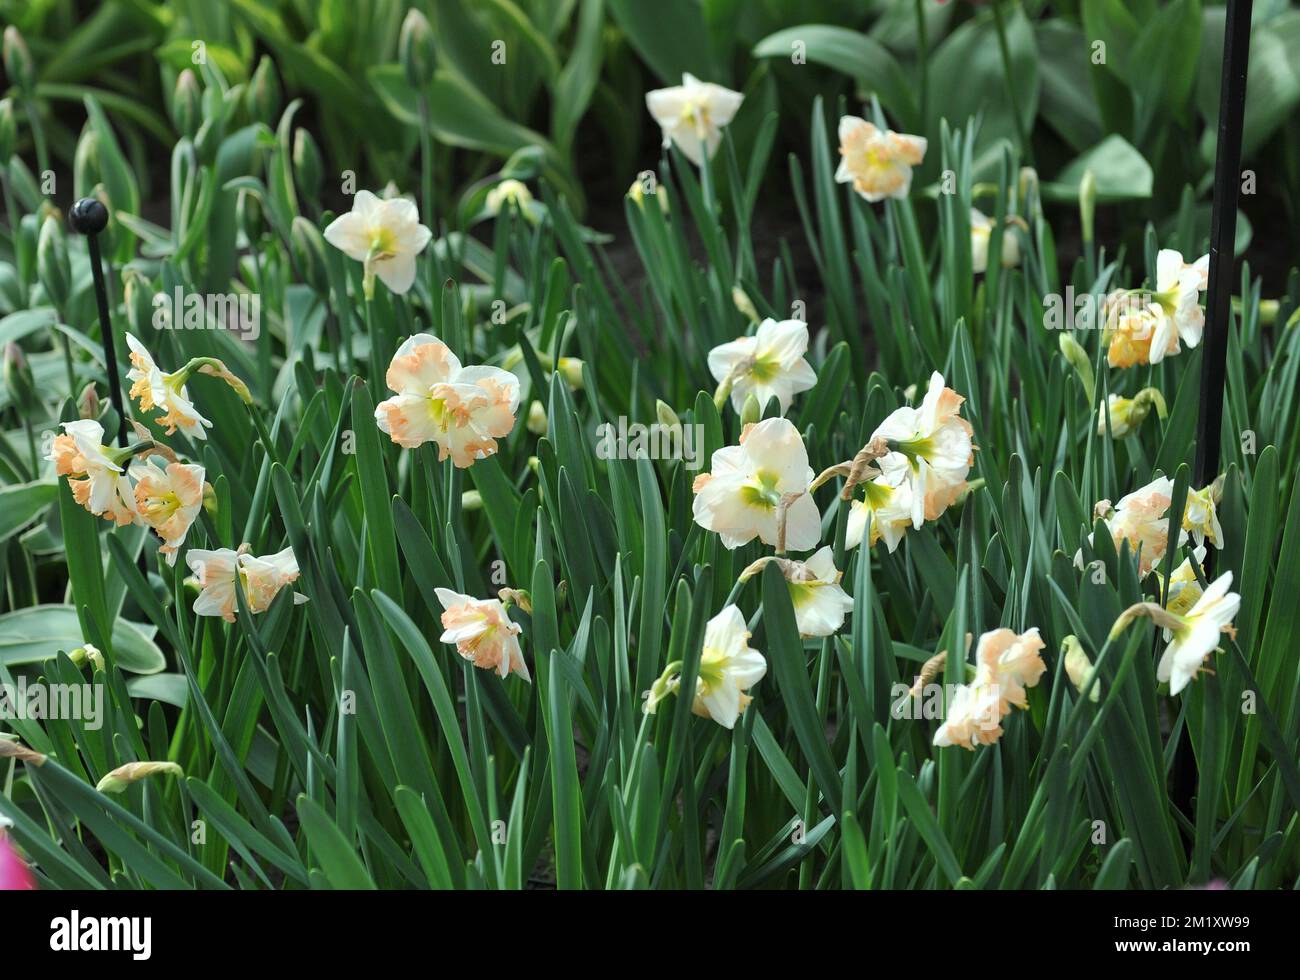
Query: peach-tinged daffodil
[
  {"x": 168, "y": 500},
  {"x": 483, "y": 633},
  {"x": 973, "y": 716},
  {"x": 820, "y": 602},
  {"x": 759, "y": 489},
  {"x": 1014, "y": 662},
  {"x": 1192, "y": 636},
  {"x": 1141, "y": 518},
  {"x": 462, "y": 409},
  {"x": 96, "y": 474},
  {"x": 261, "y": 579},
  {"x": 692, "y": 115},
  {"x": 877, "y": 162},
  {"x": 728, "y": 669},
  {"x": 385, "y": 235},
  {"x": 154, "y": 389},
  {"x": 770, "y": 364},
  {"x": 931, "y": 448}
]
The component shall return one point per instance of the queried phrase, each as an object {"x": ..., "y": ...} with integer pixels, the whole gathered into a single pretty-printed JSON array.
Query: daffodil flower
[
  {"x": 383, "y": 234},
  {"x": 1178, "y": 294},
  {"x": 878, "y": 163},
  {"x": 1140, "y": 518},
  {"x": 483, "y": 633},
  {"x": 261, "y": 579},
  {"x": 889, "y": 509},
  {"x": 931, "y": 448},
  {"x": 1192, "y": 636},
  {"x": 1014, "y": 662},
  {"x": 768, "y": 365},
  {"x": 1201, "y": 515},
  {"x": 1131, "y": 334},
  {"x": 154, "y": 389},
  {"x": 462, "y": 409},
  {"x": 510, "y": 192},
  {"x": 1127, "y": 414},
  {"x": 168, "y": 501},
  {"x": 728, "y": 669},
  {"x": 1079, "y": 668},
  {"x": 973, "y": 715},
  {"x": 96, "y": 474},
  {"x": 981, "y": 231},
  {"x": 692, "y": 115},
  {"x": 759, "y": 488},
  {"x": 1184, "y": 586},
  {"x": 820, "y": 602}
]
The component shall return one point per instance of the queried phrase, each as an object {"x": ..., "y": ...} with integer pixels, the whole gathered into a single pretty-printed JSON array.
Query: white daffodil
[
  {"x": 728, "y": 669},
  {"x": 1195, "y": 635},
  {"x": 757, "y": 486},
  {"x": 154, "y": 389},
  {"x": 1134, "y": 334},
  {"x": 820, "y": 603},
  {"x": 1201, "y": 515},
  {"x": 1178, "y": 294},
  {"x": 973, "y": 716},
  {"x": 878, "y": 163},
  {"x": 384, "y": 235},
  {"x": 931, "y": 448},
  {"x": 692, "y": 115},
  {"x": 483, "y": 633},
  {"x": 1184, "y": 587},
  {"x": 463, "y": 409},
  {"x": 509, "y": 192},
  {"x": 1014, "y": 662},
  {"x": 1127, "y": 414},
  {"x": 890, "y": 511},
  {"x": 769, "y": 364},
  {"x": 981, "y": 230},
  {"x": 95, "y": 474},
  {"x": 168, "y": 501},
  {"x": 1079, "y": 668}
]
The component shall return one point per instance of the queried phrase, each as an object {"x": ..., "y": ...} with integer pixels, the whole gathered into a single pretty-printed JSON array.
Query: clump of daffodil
[
  {"x": 385, "y": 235},
  {"x": 693, "y": 114},
  {"x": 219, "y": 571},
  {"x": 1192, "y": 636},
  {"x": 729, "y": 667},
  {"x": 1127, "y": 414},
  {"x": 878, "y": 163},
  {"x": 1142, "y": 519}
]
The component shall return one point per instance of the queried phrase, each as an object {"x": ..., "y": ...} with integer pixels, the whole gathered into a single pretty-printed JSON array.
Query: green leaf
[{"x": 37, "y": 633}]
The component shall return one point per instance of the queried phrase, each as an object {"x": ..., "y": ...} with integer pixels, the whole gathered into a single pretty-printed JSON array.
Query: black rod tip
[{"x": 88, "y": 216}]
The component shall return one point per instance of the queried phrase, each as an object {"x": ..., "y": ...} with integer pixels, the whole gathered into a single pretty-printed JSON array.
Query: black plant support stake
[
  {"x": 1223, "y": 233},
  {"x": 89, "y": 217}
]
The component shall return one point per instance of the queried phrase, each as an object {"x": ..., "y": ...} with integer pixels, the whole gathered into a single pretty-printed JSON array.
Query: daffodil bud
[
  {"x": 1268, "y": 310},
  {"x": 87, "y": 654},
  {"x": 123, "y": 776},
  {"x": 571, "y": 372},
  {"x": 11, "y": 748},
  {"x": 752, "y": 411},
  {"x": 516, "y": 597},
  {"x": 1087, "y": 203},
  {"x": 416, "y": 50},
  {"x": 308, "y": 170},
  {"x": 88, "y": 403},
  {"x": 744, "y": 304},
  {"x": 536, "y": 422},
  {"x": 1128, "y": 414},
  {"x": 309, "y": 252},
  {"x": 187, "y": 104},
  {"x": 8, "y": 130},
  {"x": 666, "y": 416},
  {"x": 18, "y": 61},
  {"x": 85, "y": 162},
  {"x": 1078, "y": 359},
  {"x": 264, "y": 96},
  {"x": 471, "y": 500},
  {"x": 52, "y": 263},
  {"x": 1079, "y": 668},
  {"x": 18, "y": 376}
]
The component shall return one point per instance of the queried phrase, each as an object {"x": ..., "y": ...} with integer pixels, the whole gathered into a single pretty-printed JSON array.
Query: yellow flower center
[{"x": 761, "y": 491}]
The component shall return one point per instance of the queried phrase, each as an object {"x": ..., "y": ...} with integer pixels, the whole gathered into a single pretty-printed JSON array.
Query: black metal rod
[
  {"x": 89, "y": 217},
  {"x": 1223, "y": 233}
]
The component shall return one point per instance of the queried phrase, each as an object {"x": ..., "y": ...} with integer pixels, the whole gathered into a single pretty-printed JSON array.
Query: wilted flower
[
  {"x": 168, "y": 501},
  {"x": 820, "y": 602},
  {"x": 385, "y": 235},
  {"x": 692, "y": 115},
  {"x": 95, "y": 474},
  {"x": 769, "y": 364},
  {"x": 154, "y": 389},
  {"x": 931, "y": 448},
  {"x": 1127, "y": 414},
  {"x": 463, "y": 409},
  {"x": 981, "y": 230},
  {"x": 890, "y": 510},
  {"x": 1014, "y": 662},
  {"x": 756, "y": 486},
  {"x": 482, "y": 632},
  {"x": 878, "y": 163},
  {"x": 728, "y": 669},
  {"x": 974, "y": 716}
]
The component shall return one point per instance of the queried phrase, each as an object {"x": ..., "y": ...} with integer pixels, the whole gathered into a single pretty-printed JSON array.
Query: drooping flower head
[
  {"x": 931, "y": 448},
  {"x": 768, "y": 365},
  {"x": 753, "y": 485},
  {"x": 1201, "y": 515},
  {"x": 974, "y": 715},
  {"x": 878, "y": 163},
  {"x": 154, "y": 389},
  {"x": 692, "y": 115},
  {"x": 483, "y": 633},
  {"x": 383, "y": 234},
  {"x": 820, "y": 602},
  {"x": 168, "y": 501},
  {"x": 1127, "y": 414},
  {"x": 95, "y": 472},
  {"x": 463, "y": 409}
]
